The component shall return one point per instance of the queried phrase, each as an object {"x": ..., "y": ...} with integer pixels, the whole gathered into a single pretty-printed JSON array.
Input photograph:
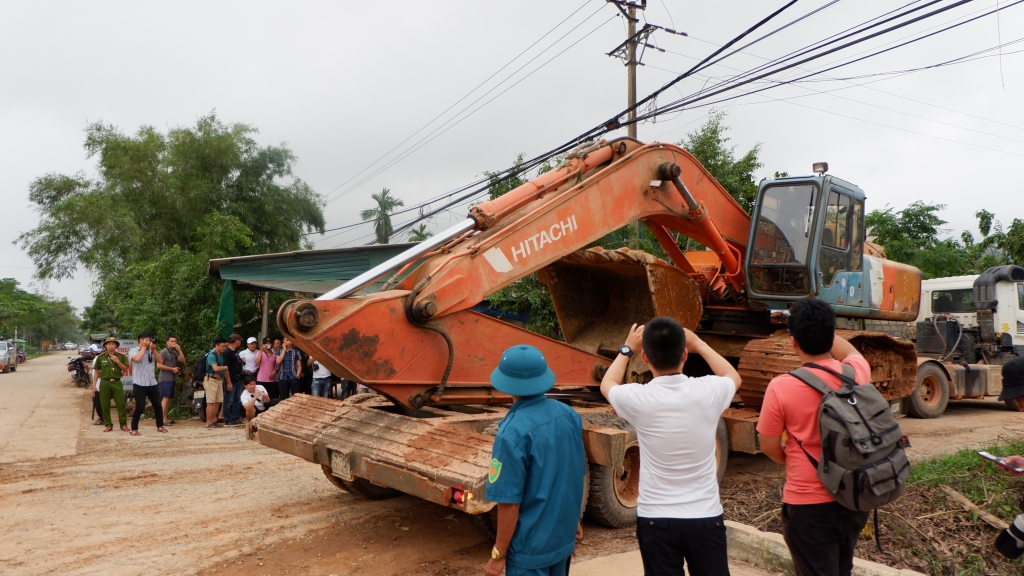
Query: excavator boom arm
[{"x": 420, "y": 343}]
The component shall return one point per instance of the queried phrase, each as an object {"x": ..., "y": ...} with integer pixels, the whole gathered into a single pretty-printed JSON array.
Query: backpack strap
[{"x": 847, "y": 377}]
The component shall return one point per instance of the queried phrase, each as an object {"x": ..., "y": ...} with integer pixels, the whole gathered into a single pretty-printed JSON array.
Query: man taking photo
[{"x": 679, "y": 514}]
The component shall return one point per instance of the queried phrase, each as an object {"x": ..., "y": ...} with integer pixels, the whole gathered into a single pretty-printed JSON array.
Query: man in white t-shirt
[
  {"x": 679, "y": 514},
  {"x": 255, "y": 399},
  {"x": 249, "y": 356},
  {"x": 321, "y": 378}
]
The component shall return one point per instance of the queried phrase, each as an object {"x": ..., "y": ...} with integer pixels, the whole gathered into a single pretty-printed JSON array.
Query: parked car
[
  {"x": 83, "y": 348},
  {"x": 69, "y": 345},
  {"x": 8, "y": 356}
]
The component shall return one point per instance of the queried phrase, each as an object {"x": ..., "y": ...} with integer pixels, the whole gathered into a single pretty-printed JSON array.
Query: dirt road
[{"x": 75, "y": 500}]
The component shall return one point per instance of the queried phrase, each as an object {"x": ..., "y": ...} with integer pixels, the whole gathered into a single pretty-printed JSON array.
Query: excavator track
[{"x": 893, "y": 363}]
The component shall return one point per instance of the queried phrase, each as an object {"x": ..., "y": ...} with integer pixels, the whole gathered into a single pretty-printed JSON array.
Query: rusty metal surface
[
  {"x": 893, "y": 364},
  {"x": 368, "y": 339},
  {"x": 421, "y": 456},
  {"x": 598, "y": 294}
]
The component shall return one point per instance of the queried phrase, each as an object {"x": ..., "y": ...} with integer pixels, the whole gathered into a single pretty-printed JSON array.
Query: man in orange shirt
[{"x": 821, "y": 534}]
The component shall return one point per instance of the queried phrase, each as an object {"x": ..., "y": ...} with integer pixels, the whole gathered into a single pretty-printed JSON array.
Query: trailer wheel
[
  {"x": 613, "y": 491},
  {"x": 332, "y": 478},
  {"x": 369, "y": 490},
  {"x": 931, "y": 393},
  {"x": 1011, "y": 405}
]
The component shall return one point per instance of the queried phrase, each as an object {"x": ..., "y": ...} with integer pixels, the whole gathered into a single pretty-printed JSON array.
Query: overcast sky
[{"x": 342, "y": 83}]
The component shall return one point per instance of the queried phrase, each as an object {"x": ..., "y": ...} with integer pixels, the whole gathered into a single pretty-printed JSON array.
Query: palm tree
[
  {"x": 419, "y": 233},
  {"x": 381, "y": 215}
]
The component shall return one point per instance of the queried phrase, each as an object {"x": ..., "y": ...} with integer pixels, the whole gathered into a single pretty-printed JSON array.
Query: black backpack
[{"x": 199, "y": 369}]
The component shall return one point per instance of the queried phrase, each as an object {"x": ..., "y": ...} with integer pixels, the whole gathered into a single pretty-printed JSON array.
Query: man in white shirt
[
  {"x": 255, "y": 399},
  {"x": 249, "y": 356},
  {"x": 679, "y": 514},
  {"x": 321, "y": 378}
]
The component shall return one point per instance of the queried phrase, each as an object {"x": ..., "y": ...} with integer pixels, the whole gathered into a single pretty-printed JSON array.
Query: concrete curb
[{"x": 768, "y": 550}]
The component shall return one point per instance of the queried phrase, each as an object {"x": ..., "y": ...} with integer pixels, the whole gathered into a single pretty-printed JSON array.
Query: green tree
[
  {"x": 35, "y": 316},
  {"x": 498, "y": 187},
  {"x": 710, "y": 146},
  {"x": 419, "y": 233},
  {"x": 161, "y": 206},
  {"x": 381, "y": 215}
]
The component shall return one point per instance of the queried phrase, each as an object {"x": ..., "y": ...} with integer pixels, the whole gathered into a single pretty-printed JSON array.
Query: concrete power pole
[{"x": 627, "y": 52}]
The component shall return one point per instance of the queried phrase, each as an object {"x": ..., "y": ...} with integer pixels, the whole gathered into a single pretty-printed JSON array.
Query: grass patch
[{"x": 924, "y": 530}]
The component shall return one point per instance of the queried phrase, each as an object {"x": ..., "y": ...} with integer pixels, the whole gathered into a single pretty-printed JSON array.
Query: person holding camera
[
  {"x": 169, "y": 363},
  {"x": 108, "y": 368},
  {"x": 255, "y": 399},
  {"x": 679, "y": 512},
  {"x": 321, "y": 378},
  {"x": 289, "y": 368},
  {"x": 266, "y": 368},
  {"x": 144, "y": 385}
]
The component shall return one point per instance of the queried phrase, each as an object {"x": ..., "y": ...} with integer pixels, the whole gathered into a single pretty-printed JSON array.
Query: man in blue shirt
[{"x": 537, "y": 471}]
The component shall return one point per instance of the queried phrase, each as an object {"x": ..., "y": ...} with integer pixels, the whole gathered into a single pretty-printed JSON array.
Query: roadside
[{"x": 79, "y": 501}]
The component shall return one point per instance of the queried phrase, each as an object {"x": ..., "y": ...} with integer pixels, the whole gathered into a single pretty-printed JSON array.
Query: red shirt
[{"x": 792, "y": 406}]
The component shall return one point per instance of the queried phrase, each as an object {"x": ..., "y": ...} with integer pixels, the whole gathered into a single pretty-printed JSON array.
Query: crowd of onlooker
[{"x": 238, "y": 383}]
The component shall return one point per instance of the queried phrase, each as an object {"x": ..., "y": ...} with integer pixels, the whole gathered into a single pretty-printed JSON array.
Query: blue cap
[{"x": 522, "y": 371}]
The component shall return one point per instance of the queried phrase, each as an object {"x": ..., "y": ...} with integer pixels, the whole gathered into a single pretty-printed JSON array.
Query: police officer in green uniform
[
  {"x": 537, "y": 472},
  {"x": 109, "y": 368}
]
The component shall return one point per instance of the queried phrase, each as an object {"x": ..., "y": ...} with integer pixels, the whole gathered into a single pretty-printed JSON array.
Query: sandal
[
  {"x": 135, "y": 433},
  {"x": 125, "y": 429},
  {"x": 108, "y": 428},
  {"x": 161, "y": 429}
]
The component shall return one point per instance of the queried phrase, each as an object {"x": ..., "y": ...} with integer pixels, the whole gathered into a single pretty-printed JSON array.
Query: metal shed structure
[{"x": 307, "y": 271}]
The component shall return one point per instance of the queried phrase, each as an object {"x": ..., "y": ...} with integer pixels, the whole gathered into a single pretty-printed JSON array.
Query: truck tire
[
  {"x": 332, "y": 478},
  {"x": 931, "y": 394},
  {"x": 1011, "y": 405},
  {"x": 613, "y": 492}
]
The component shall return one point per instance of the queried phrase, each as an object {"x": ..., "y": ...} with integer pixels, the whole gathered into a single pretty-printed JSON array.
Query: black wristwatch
[{"x": 625, "y": 350}]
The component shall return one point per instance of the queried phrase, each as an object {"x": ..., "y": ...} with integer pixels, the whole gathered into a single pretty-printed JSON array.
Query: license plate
[{"x": 199, "y": 394}]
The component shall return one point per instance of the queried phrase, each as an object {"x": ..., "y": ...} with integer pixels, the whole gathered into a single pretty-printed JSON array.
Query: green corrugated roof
[{"x": 312, "y": 271}]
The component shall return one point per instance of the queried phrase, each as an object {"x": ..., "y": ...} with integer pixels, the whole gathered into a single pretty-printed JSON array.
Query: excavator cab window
[
  {"x": 835, "y": 237},
  {"x": 780, "y": 251}
]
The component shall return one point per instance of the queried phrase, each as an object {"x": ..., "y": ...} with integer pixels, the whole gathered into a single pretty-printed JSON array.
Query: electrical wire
[
  {"x": 477, "y": 87},
  {"x": 432, "y": 135},
  {"x": 615, "y": 123}
]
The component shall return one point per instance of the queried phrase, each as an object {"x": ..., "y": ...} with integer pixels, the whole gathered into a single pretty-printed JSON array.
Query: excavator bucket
[{"x": 598, "y": 294}]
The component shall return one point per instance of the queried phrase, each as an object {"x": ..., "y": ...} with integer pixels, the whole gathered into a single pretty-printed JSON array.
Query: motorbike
[
  {"x": 22, "y": 357},
  {"x": 198, "y": 399},
  {"x": 79, "y": 374}
]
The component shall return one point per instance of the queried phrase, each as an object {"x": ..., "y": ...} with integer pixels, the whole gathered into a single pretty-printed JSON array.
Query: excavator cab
[{"x": 807, "y": 239}]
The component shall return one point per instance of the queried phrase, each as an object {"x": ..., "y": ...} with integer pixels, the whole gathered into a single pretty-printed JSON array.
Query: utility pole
[{"x": 627, "y": 52}]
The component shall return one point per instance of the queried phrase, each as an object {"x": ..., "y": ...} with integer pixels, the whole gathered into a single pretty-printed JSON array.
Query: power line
[
  {"x": 417, "y": 145},
  {"x": 477, "y": 87}
]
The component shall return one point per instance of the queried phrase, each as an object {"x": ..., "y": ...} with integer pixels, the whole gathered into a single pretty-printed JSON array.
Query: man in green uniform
[{"x": 109, "y": 368}]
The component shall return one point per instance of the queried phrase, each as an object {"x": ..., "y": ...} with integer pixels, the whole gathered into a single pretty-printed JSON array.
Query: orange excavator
[{"x": 418, "y": 342}]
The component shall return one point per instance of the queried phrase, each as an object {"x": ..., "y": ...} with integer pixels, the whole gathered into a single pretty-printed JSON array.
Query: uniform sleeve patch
[{"x": 495, "y": 471}]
